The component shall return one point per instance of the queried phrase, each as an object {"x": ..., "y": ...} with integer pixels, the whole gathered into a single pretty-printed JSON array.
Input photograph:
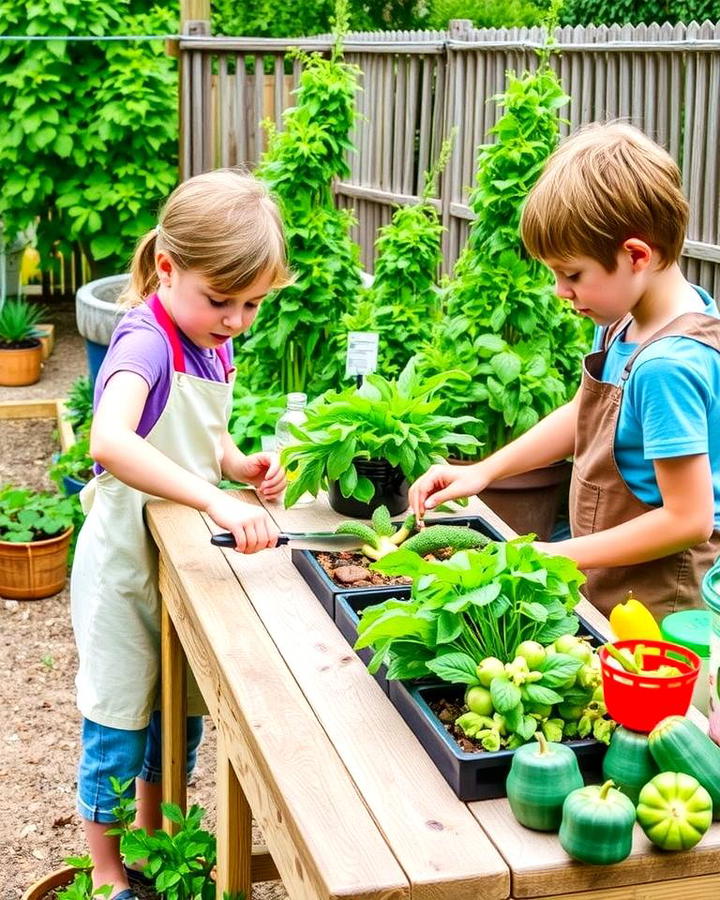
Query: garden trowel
[{"x": 301, "y": 540}]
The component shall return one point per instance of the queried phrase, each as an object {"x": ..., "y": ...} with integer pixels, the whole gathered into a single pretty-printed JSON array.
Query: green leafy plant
[
  {"x": 404, "y": 300},
  {"x": 81, "y": 887},
  {"x": 18, "y": 320},
  {"x": 27, "y": 515},
  {"x": 90, "y": 128},
  {"x": 484, "y": 13},
  {"x": 622, "y": 12},
  {"x": 290, "y": 349},
  {"x": 75, "y": 462},
  {"x": 395, "y": 420},
  {"x": 79, "y": 403},
  {"x": 180, "y": 864},
  {"x": 253, "y": 417},
  {"x": 505, "y": 326}
]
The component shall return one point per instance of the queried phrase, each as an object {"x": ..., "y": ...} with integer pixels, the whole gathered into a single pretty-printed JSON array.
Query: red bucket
[{"x": 639, "y": 702}]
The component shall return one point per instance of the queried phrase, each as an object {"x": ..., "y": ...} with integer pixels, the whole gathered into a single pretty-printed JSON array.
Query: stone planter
[{"x": 97, "y": 314}]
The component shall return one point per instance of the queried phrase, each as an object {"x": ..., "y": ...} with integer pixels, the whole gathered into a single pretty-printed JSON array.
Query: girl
[{"x": 160, "y": 430}]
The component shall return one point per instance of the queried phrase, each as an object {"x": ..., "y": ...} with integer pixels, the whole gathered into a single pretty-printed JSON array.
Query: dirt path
[{"x": 40, "y": 736}]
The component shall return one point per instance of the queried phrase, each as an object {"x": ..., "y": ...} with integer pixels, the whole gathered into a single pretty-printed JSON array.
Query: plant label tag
[{"x": 362, "y": 353}]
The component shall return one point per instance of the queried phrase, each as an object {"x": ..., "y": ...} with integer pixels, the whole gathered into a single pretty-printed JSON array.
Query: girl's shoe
[
  {"x": 127, "y": 894},
  {"x": 137, "y": 877}
]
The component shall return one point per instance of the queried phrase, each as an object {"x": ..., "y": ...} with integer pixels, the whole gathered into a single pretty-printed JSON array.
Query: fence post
[{"x": 194, "y": 96}]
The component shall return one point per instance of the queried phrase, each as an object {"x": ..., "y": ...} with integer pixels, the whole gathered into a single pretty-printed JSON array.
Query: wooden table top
[{"x": 349, "y": 802}]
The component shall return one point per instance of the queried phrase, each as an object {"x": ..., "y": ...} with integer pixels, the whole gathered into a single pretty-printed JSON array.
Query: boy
[{"x": 608, "y": 217}]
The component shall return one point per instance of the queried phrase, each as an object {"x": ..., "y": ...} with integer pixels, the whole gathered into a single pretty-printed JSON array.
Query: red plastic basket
[{"x": 639, "y": 702}]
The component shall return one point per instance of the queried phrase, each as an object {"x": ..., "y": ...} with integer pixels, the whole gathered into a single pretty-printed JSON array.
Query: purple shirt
[{"x": 140, "y": 345}]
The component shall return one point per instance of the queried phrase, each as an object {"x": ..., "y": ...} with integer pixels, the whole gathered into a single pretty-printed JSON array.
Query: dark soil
[
  {"x": 40, "y": 736},
  {"x": 349, "y": 569}
]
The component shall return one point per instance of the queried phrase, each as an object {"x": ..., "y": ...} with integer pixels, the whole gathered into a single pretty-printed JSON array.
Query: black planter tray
[
  {"x": 347, "y": 616},
  {"x": 475, "y": 776},
  {"x": 326, "y": 590}
]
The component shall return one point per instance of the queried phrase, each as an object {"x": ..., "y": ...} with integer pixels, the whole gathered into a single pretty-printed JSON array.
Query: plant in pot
[
  {"x": 36, "y": 528},
  {"x": 364, "y": 444},
  {"x": 72, "y": 469},
  {"x": 521, "y": 345},
  {"x": 20, "y": 345}
]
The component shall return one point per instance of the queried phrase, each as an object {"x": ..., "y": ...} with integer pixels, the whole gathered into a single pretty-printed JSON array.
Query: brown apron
[{"x": 600, "y": 498}]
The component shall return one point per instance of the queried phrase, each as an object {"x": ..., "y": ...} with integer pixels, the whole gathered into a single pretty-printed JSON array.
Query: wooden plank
[
  {"x": 174, "y": 712},
  {"x": 321, "y": 836},
  {"x": 439, "y": 846},
  {"x": 41, "y": 409},
  {"x": 234, "y": 827},
  {"x": 702, "y": 888}
]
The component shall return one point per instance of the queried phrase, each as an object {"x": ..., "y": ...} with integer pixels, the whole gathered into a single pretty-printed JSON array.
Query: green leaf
[
  {"x": 457, "y": 668},
  {"x": 537, "y": 693},
  {"x": 505, "y": 695}
]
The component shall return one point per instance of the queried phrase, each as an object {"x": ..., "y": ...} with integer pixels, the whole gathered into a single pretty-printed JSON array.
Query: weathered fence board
[{"x": 417, "y": 86}]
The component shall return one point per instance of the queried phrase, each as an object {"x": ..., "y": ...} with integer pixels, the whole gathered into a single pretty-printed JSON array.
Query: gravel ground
[{"x": 38, "y": 823}]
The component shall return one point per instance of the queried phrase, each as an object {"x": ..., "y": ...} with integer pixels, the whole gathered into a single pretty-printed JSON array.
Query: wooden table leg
[
  {"x": 174, "y": 715},
  {"x": 234, "y": 829}
]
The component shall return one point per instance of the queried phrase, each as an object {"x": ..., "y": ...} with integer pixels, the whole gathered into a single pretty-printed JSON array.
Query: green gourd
[
  {"x": 597, "y": 824},
  {"x": 541, "y": 777},
  {"x": 678, "y": 745},
  {"x": 628, "y": 762},
  {"x": 438, "y": 537}
]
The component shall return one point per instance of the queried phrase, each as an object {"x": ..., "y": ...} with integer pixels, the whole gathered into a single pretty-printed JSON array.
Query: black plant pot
[{"x": 391, "y": 490}]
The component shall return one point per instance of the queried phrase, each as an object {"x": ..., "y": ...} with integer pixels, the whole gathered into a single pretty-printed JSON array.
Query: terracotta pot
[
  {"x": 22, "y": 366},
  {"x": 530, "y": 502},
  {"x": 40, "y": 890},
  {"x": 34, "y": 570}
]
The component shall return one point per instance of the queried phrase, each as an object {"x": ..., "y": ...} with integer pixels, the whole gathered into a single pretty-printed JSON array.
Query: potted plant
[
  {"x": 72, "y": 469},
  {"x": 20, "y": 345},
  {"x": 35, "y": 532},
  {"x": 521, "y": 345},
  {"x": 491, "y": 635},
  {"x": 364, "y": 443}
]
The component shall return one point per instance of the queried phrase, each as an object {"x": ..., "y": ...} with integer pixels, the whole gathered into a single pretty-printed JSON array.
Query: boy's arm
[
  {"x": 130, "y": 458},
  {"x": 553, "y": 438},
  {"x": 685, "y": 519}
]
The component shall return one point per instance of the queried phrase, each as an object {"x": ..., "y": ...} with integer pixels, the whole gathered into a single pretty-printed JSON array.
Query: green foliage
[
  {"x": 90, "y": 128},
  {"x": 27, "y": 516},
  {"x": 181, "y": 864},
  {"x": 290, "y": 349},
  {"x": 75, "y": 462},
  {"x": 18, "y": 319},
  {"x": 296, "y": 18},
  {"x": 253, "y": 417},
  {"x": 623, "y": 12},
  {"x": 79, "y": 403},
  {"x": 392, "y": 420},
  {"x": 404, "y": 300},
  {"x": 505, "y": 326},
  {"x": 484, "y": 13},
  {"x": 81, "y": 887}
]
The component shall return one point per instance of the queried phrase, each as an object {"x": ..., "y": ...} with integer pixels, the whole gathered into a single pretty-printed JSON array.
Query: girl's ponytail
[{"x": 143, "y": 277}]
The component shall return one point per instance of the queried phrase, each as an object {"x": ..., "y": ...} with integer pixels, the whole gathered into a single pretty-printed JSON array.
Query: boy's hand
[
  {"x": 251, "y": 526},
  {"x": 265, "y": 472},
  {"x": 442, "y": 483}
]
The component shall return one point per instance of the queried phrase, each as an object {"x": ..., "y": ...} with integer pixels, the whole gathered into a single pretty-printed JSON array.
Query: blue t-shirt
[{"x": 670, "y": 407}]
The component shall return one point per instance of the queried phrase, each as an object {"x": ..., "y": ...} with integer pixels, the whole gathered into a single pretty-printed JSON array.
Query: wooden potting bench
[{"x": 349, "y": 803}]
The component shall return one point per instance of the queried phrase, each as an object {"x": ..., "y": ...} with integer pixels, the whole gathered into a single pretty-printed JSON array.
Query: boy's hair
[
  {"x": 222, "y": 225},
  {"x": 603, "y": 185}
]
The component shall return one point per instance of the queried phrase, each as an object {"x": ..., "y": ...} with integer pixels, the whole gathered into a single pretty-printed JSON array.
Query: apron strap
[
  {"x": 224, "y": 355},
  {"x": 168, "y": 326}
]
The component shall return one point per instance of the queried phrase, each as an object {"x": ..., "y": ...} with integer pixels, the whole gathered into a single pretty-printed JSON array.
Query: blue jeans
[{"x": 125, "y": 755}]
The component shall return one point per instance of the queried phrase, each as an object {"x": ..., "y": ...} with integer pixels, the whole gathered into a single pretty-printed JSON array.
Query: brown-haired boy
[{"x": 608, "y": 217}]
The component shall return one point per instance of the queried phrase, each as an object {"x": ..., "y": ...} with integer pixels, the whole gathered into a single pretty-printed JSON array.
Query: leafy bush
[
  {"x": 484, "y": 13},
  {"x": 622, "y": 12},
  {"x": 392, "y": 420},
  {"x": 79, "y": 403},
  {"x": 295, "y": 18},
  {"x": 27, "y": 516},
  {"x": 289, "y": 348},
  {"x": 505, "y": 326},
  {"x": 90, "y": 128},
  {"x": 75, "y": 462}
]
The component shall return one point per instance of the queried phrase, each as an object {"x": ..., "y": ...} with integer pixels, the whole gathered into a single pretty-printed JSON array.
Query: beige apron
[
  {"x": 114, "y": 582},
  {"x": 600, "y": 498}
]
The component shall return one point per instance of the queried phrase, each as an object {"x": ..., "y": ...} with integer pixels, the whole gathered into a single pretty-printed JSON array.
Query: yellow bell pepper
[{"x": 631, "y": 620}]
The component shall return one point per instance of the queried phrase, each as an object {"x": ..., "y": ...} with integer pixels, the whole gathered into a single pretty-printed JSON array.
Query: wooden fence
[{"x": 416, "y": 86}]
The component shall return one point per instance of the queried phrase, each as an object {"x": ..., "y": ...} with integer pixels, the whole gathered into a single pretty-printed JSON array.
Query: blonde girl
[{"x": 160, "y": 430}]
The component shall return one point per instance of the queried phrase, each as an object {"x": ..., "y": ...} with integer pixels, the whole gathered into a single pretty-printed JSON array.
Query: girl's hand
[
  {"x": 265, "y": 472},
  {"x": 442, "y": 483},
  {"x": 251, "y": 526}
]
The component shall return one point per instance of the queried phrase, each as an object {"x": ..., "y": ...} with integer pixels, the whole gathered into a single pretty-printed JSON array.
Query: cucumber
[
  {"x": 678, "y": 745},
  {"x": 438, "y": 537}
]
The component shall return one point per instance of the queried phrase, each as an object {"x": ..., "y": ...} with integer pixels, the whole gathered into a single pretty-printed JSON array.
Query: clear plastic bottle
[{"x": 294, "y": 415}]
